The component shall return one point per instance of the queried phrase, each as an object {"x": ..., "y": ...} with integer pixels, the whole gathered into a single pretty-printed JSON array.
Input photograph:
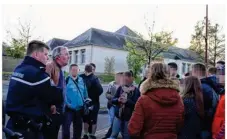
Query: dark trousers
[
  {"x": 92, "y": 118},
  {"x": 75, "y": 117},
  {"x": 27, "y": 134},
  {"x": 52, "y": 131},
  {"x": 109, "y": 132}
]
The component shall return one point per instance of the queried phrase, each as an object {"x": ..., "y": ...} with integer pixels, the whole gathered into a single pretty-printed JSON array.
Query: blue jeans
[
  {"x": 69, "y": 117},
  {"x": 119, "y": 126},
  {"x": 111, "y": 115}
]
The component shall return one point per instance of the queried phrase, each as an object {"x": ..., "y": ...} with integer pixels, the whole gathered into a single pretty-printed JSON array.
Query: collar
[
  {"x": 31, "y": 61},
  {"x": 88, "y": 74},
  {"x": 129, "y": 85},
  {"x": 74, "y": 78}
]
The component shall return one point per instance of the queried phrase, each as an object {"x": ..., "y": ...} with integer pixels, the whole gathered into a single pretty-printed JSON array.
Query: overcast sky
[{"x": 69, "y": 21}]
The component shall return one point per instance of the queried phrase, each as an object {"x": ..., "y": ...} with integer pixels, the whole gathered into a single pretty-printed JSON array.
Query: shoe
[
  {"x": 92, "y": 137},
  {"x": 85, "y": 137}
]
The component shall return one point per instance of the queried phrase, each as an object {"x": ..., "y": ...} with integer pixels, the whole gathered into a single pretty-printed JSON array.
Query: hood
[
  {"x": 162, "y": 91},
  {"x": 213, "y": 83},
  {"x": 213, "y": 79}
]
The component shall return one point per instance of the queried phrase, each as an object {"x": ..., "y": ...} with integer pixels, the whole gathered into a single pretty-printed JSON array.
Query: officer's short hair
[
  {"x": 57, "y": 51},
  {"x": 88, "y": 68},
  {"x": 73, "y": 65},
  {"x": 173, "y": 65},
  {"x": 36, "y": 45}
]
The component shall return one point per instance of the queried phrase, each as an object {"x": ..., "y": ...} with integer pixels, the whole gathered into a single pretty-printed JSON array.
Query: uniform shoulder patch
[{"x": 17, "y": 74}]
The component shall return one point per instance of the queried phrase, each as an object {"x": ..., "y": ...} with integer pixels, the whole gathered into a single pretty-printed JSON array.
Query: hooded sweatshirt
[{"x": 158, "y": 112}]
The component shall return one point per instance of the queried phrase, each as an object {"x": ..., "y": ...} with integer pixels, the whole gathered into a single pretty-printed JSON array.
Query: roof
[
  {"x": 100, "y": 37},
  {"x": 56, "y": 42},
  {"x": 117, "y": 40},
  {"x": 180, "y": 53},
  {"x": 126, "y": 32}
]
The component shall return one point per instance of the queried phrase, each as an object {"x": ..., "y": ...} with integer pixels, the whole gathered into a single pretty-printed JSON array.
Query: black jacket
[{"x": 94, "y": 87}]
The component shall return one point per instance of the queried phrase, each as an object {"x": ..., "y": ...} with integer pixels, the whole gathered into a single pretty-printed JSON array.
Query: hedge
[
  {"x": 6, "y": 75},
  {"x": 106, "y": 78}
]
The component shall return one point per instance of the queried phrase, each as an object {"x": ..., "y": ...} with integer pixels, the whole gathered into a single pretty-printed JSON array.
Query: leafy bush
[
  {"x": 106, "y": 78},
  {"x": 6, "y": 75}
]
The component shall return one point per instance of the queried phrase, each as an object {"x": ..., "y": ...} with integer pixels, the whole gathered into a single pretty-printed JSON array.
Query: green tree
[
  {"x": 216, "y": 45},
  {"x": 135, "y": 63},
  {"x": 17, "y": 49},
  {"x": 150, "y": 49},
  {"x": 142, "y": 51},
  {"x": 18, "y": 44},
  {"x": 109, "y": 65}
]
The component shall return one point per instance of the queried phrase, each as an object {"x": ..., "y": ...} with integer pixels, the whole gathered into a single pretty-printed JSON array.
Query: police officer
[{"x": 29, "y": 94}]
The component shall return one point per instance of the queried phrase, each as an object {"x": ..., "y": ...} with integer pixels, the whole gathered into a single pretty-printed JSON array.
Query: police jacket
[{"x": 30, "y": 92}]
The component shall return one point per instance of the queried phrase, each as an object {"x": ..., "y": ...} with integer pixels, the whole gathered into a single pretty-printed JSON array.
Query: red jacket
[
  {"x": 159, "y": 111},
  {"x": 219, "y": 118}
]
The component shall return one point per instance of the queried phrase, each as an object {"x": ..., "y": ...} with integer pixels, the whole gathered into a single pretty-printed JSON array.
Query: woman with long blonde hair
[{"x": 194, "y": 108}]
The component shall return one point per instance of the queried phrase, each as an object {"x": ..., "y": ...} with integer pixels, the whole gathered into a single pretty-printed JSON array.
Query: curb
[{"x": 103, "y": 111}]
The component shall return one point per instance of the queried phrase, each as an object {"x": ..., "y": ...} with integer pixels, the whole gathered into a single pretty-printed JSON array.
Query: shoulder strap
[
  {"x": 67, "y": 80},
  {"x": 78, "y": 89}
]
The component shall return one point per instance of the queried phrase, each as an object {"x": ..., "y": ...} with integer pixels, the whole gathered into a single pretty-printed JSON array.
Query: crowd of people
[
  {"x": 169, "y": 107},
  {"x": 164, "y": 106}
]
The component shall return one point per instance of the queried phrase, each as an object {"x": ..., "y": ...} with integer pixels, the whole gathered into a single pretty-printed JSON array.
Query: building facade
[{"x": 95, "y": 45}]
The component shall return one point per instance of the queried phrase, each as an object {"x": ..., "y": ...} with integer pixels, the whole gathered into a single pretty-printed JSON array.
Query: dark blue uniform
[{"x": 30, "y": 95}]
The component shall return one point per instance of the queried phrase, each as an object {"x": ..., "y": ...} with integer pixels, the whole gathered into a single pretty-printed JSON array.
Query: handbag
[{"x": 85, "y": 107}]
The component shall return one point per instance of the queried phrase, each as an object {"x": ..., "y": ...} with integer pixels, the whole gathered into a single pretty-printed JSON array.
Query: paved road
[{"x": 102, "y": 118}]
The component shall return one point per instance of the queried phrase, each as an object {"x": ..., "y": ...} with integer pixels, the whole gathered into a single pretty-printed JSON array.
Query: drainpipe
[{"x": 91, "y": 54}]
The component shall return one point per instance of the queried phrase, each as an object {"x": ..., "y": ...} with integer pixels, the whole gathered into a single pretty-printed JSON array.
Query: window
[
  {"x": 189, "y": 67},
  {"x": 83, "y": 56},
  {"x": 70, "y": 57},
  {"x": 183, "y": 68},
  {"x": 76, "y": 57}
]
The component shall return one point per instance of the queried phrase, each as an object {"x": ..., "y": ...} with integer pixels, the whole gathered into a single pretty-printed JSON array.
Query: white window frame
[
  {"x": 83, "y": 56},
  {"x": 76, "y": 52}
]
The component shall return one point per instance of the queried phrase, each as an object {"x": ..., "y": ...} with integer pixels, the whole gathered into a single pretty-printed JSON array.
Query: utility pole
[{"x": 206, "y": 38}]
